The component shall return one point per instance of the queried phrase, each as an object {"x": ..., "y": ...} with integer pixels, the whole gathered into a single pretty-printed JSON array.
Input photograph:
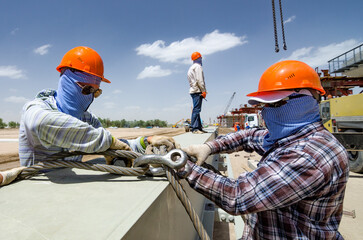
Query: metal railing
[{"x": 347, "y": 60}]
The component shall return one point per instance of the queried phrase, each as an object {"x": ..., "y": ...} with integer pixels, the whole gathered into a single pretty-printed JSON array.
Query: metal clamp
[{"x": 175, "y": 159}]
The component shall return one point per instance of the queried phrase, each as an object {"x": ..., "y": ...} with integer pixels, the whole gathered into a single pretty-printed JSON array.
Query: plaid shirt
[{"x": 296, "y": 192}]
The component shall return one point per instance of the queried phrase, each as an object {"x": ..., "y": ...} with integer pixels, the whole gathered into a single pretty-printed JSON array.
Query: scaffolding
[
  {"x": 237, "y": 115},
  {"x": 337, "y": 86}
]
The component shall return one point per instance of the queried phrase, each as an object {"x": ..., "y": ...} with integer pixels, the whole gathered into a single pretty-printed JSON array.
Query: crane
[{"x": 229, "y": 103}]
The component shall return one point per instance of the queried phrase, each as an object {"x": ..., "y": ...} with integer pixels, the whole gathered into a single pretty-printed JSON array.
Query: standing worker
[
  {"x": 237, "y": 126},
  {"x": 197, "y": 91},
  {"x": 297, "y": 190},
  {"x": 59, "y": 120}
]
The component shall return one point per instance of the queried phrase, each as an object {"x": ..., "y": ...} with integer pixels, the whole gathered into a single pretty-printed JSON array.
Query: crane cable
[
  {"x": 275, "y": 27},
  {"x": 282, "y": 27}
]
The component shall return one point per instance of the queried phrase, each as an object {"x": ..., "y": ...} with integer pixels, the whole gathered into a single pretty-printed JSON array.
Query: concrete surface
[{"x": 82, "y": 204}]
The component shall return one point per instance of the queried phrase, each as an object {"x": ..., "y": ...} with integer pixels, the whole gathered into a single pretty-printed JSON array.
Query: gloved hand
[
  {"x": 116, "y": 145},
  {"x": 204, "y": 94},
  {"x": 119, "y": 145},
  {"x": 200, "y": 151},
  {"x": 157, "y": 141},
  {"x": 10, "y": 175}
]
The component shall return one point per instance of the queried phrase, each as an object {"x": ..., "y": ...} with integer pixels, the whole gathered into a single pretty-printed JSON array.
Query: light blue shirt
[{"x": 45, "y": 131}]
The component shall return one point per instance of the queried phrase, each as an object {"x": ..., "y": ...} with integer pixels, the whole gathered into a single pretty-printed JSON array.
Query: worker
[
  {"x": 57, "y": 121},
  {"x": 237, "y": 126},
  {"x": 197, "y": 91},
  {"x": 297, "y": 189}
]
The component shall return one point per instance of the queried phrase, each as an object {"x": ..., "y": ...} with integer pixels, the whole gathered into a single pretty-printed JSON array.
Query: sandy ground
[{"x": 350, "y": 227}]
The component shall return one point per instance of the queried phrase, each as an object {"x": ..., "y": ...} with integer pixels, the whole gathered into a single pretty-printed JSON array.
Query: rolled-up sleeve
[{"x": 248, "y": 140}]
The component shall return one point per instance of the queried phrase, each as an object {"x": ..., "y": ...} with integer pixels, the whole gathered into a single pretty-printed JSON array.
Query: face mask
[
  {"x": 69, "y": 98},
  {"x": 199, "y": 60},
  {"x": 288, "y": 119}
]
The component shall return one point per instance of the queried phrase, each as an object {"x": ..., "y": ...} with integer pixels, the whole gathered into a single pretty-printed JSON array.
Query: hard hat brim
[
  {"x": 105, "y": 80},
  {"x": 102, "y": 78},
  {"x": 272, "y": 96}
]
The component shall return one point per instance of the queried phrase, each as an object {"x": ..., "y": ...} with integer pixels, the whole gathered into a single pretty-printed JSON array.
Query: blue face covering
[
  {"x": 290, "y": 118},
  {"x": 199, "y": 60},
  {"x": 69, "y": 97}
]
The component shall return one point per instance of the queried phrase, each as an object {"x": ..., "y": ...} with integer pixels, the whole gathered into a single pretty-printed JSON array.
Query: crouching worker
[
  {"x": 59, "y": 120},
  {"x": 297, "y": 190}
]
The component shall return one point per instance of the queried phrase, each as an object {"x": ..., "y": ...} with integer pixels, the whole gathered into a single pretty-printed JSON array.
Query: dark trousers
[{"x": 196, "y": 123}]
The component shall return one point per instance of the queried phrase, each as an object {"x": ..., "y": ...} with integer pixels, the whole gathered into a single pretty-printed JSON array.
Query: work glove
[
  {"x": 116, "y": 145},
  {"x": 10, "y": 175},
  {"x": 199, "y": 151},
  {"x": 204, "y": 94},
  {"x": 119, "y": 145},
  {"x": 158, "y": 141}
]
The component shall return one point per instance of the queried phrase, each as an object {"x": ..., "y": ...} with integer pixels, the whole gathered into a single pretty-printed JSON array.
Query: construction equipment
[
  {"x": 343, "y": 115},
  {"x": 254, "y": 120},
  {"x": 176, "y": 124},
  {"x": 186, "y": 124},
  {"x": 229, "y": 103},
  {"x": 222, "y": 118}
]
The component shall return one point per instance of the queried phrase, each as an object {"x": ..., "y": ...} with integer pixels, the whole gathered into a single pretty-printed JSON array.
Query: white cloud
[
  {"x": 116, "y": 91},
  {"x": 132, "y": 108},
  {"x": 13, "y": 32},
  {"x": 109, "y": 105},
  {"x": 180, "y": 51},
  {"x": 11, "y": 72},
  {"x": 42, "y": 50},
  {"x": 15, "y": 99},
  {"x": 290, "y": 19},
  {"x": 319, "y": 56},
  {"x": 153, "y": 71}
]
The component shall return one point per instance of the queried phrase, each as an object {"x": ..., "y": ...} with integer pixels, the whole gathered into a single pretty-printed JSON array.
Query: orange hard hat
[
  {"x": 288, "y": 74},
  {"x": 196, "y": 55},
  {"x": 84, "y": 59}
]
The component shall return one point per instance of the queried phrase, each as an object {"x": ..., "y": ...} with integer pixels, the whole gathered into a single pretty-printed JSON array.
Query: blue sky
[{"x": 146, "y": 47}]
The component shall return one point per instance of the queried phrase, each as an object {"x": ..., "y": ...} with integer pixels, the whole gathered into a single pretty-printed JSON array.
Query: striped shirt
[
  {"x": 296, "y": 192},
  {"x": 45, "y": 131}
]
